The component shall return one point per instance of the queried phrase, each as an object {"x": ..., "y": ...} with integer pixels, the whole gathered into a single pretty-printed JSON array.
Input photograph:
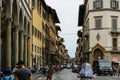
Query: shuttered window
[
  {"x": 97, "y": 4},
  {"x": 114, "y": 24},
  {"x": 98, "y": 22},
  {"x": 114, "y": 43},
  {"x": 114, "y": 4}
]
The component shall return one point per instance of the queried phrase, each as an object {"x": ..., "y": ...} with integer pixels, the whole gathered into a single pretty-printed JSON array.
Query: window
[
  {"x": 98, "y": 22},
  {"x": 114, "y": 24},
  {"x": 114, "y": 4},
  {"x": 33, "y": 3},
  {"x": 38, "y": 5},
  {"x": 33, "y": 30},
  {"x": 33, "y": 47},
  {"x": 114, "y": 43},
  {"x": 97, "y": 4}
]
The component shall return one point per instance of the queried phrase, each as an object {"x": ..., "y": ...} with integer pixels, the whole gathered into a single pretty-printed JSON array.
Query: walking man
[{"x": 22, "y": 73}]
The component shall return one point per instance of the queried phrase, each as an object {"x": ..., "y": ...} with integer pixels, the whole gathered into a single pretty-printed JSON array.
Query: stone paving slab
[{"x": 36, "y": 75}]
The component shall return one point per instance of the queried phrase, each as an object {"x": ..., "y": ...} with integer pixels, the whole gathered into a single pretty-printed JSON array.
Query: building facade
[
  {"x": 28, "y": 32},
  {"x": 15, "y": 32},
  {"x": 44, "y": 33},
  {"x": 101, "y": 29}
]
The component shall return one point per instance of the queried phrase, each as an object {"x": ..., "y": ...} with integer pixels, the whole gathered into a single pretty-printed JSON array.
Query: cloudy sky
[{"x": 67, "y": 11}]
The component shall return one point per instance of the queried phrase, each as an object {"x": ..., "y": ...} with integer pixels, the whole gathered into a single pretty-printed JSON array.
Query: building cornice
[
  {"x": 99, "y": 10},
  {"x": 105, "y": 9}
]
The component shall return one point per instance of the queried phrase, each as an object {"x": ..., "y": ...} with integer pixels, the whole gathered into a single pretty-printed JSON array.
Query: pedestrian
[
  {"x": 7, "y": 74},
  {"x": 1, "y": 75},
  {"x": 22, "y": 73},
  {"x": 86, "y": 71},
  {"x": 114, "y": 70},
  {"x": 44, "y": 70},
  {"x": 118, "y": 70},
  {"x": 49, "y": 72}
]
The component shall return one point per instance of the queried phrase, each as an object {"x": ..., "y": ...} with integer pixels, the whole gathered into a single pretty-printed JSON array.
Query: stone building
[
  {"x": 14, "y": 32},
  {"x": 101, "y": 29},
  {"x": 44, "y": 33},
  {"x": 28, "y": 32}
]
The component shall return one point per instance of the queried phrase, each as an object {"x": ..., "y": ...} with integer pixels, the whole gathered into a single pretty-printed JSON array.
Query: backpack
[{"x": 10, "y": 78}]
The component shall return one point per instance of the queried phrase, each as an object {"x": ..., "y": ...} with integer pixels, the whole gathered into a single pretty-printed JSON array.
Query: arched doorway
[{"x": 98, "y": 54}]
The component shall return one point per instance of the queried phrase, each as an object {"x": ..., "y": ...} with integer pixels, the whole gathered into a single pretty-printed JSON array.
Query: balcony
[{"x": 115, "y": 32}]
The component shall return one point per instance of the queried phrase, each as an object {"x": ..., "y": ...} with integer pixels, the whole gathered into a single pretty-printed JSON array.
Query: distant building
[
  {"x": 101, "y": 29},
  {"x": 44, "y": 33}
]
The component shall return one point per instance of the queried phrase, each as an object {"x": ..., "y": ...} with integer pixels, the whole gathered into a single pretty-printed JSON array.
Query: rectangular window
[
  {"x": 98, "y": 22},
  {"x": 114, "y": 4},
  {"x": 33, "y": 30},
  {"x": 98, "y": 4},
  {"x": 33, "y": 47},
  {"x": 33, "y": 3},
  {"x": 38, "y": 5},
  {"x": 114, "y": 24},
  {"x": 114, "y": 43}
]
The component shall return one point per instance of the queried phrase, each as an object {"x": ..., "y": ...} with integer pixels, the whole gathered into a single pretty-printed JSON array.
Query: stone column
[
  {"x": 8, "y": 43},
  {"x": 16, "y": 45},
  {"x": 21, "y": 45},
  {"x": 29, "y": 53},
  {"x": 0, "y": 31},
  {"x": 25, "y": 50}
]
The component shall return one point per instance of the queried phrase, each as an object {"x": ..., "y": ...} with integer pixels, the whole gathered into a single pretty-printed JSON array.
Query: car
[
  {"x": 68, "y": 66},
  {"x": 102, "y": 67},
  {"x": 75, "y": 68}
]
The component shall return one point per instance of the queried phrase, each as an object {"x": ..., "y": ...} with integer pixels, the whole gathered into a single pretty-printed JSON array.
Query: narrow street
[{"x": 66, "y": 74}]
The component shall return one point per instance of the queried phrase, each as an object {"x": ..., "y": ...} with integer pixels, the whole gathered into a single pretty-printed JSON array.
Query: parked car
[
  {"x": 75, "y": 68},
  {"x": 102, "y": 67},
  {"x": 68, "y": 66}
]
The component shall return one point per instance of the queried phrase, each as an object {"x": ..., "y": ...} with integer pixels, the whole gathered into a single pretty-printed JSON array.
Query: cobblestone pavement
[{"x": 66, "y": 74}]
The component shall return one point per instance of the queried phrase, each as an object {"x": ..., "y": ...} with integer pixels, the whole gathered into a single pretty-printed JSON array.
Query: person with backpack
[{"x": 7, "y": 74}]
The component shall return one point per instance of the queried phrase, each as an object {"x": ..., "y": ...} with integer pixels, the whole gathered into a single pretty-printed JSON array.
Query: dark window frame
[
  {"x": 98, "y": 4},
  {"x": 114, "y": 24},
  {"x": 114, "y": 4},
  {"x": 98, "y": 22},
  {"x": 114, "y": 43}
]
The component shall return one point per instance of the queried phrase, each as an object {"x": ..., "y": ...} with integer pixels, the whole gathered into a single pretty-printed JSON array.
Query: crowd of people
[{"x": 20, "y": 72}]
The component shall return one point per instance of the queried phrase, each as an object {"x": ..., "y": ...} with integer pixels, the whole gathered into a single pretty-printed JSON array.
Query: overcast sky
[{"x": 67, "y": 11}]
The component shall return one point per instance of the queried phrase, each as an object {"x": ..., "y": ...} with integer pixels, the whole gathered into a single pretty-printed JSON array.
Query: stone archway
[
  {"x": 14, "y": 34},
  {"x": 25, "y": 24},
  {"x": 21, "y": 19},
  {"x": 15, "y": 12},
  {"x": 98, "y": 54}
]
